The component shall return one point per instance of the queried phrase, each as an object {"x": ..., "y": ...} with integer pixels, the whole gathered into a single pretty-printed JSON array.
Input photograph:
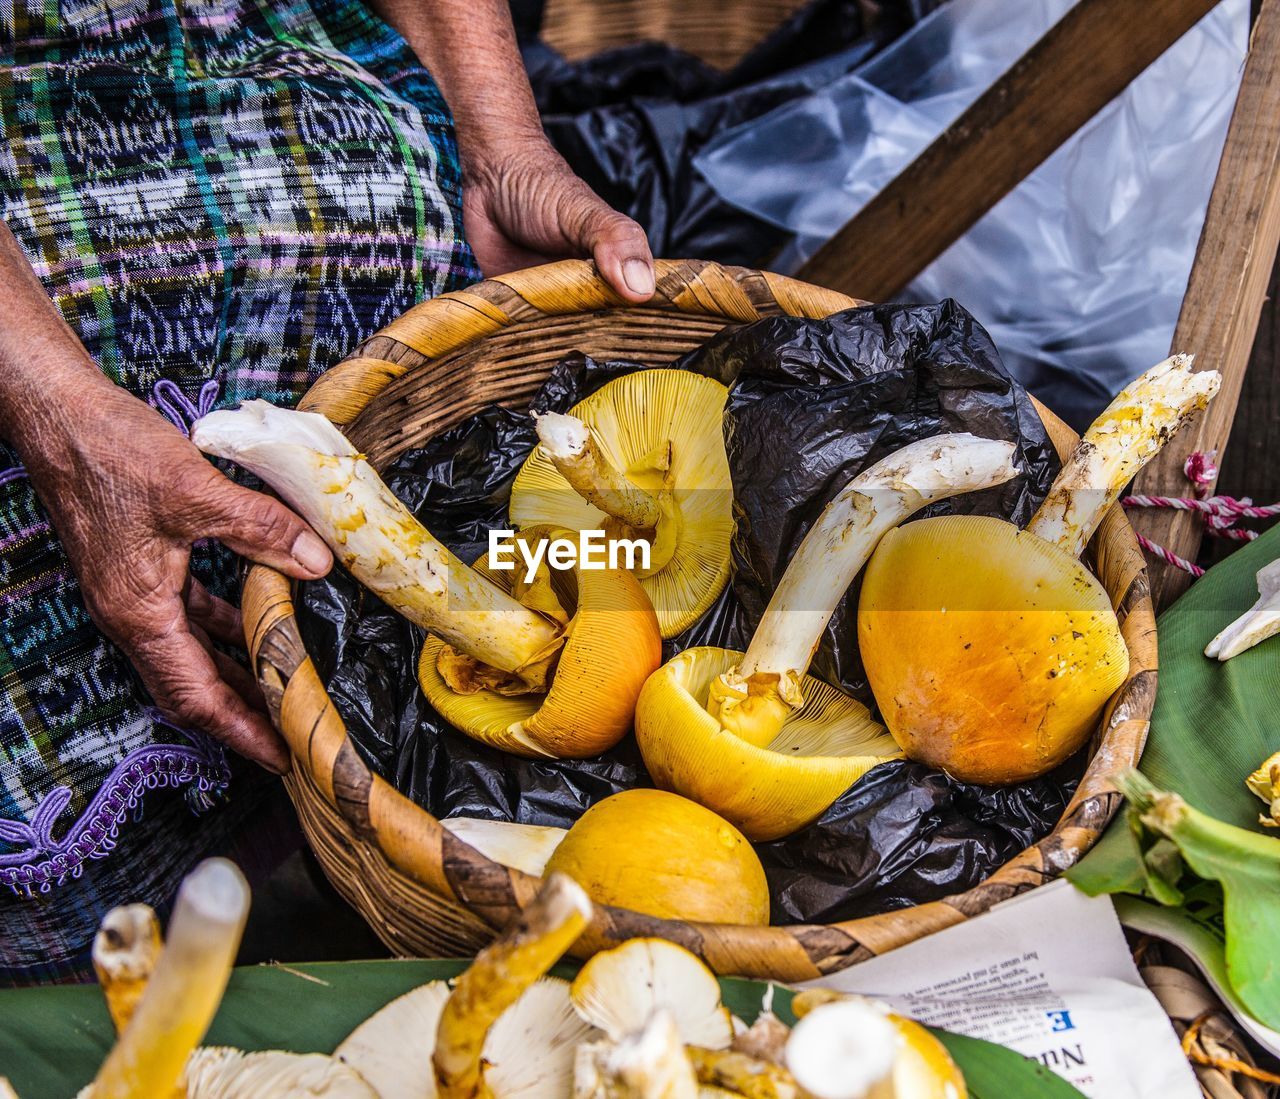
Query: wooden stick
[
  {"x": 1076, "y": 69},
  {"x": 1224, "y": 294}
]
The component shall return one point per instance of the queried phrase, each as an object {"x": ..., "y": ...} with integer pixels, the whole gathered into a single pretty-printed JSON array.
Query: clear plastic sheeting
[{"x": 1079, "y": 273}]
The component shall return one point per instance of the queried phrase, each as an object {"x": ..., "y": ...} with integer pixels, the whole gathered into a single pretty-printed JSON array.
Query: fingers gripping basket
[{"x": 426, "y": 892}]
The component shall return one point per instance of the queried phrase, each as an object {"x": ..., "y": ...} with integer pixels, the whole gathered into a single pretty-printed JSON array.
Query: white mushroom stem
[
  {"x": 647, "y": 1064},
  {"x": 322, "y": 476},
  {"x": 754, "y": 699},
  {"x": 1259, "y": 622},
  {"x": 184, "y": 991},
  {"x": 496, "y": 979},
  {"x": 572, "y": 449},
  {"x": 1128, "y": 434},
  {"x": 125, "y": 950},
  {"x": 844, "y": 1050}
]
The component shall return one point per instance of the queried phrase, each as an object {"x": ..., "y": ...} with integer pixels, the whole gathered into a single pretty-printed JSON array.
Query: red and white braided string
[{"x": 1221, "y": 512}]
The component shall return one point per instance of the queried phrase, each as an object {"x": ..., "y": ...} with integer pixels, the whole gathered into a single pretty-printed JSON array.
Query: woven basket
[
  {"x": 424, "y": 891},
  {"x": 719, "y": 33}
]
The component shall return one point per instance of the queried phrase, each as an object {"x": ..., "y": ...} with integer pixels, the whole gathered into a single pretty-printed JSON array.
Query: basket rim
[{"x": 414, "y": 842}]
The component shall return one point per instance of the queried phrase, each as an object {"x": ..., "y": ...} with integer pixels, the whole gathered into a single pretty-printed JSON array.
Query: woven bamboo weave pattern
[{"x": 423, "y": 890}]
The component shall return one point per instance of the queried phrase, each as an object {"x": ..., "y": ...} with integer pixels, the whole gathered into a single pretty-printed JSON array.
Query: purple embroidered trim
[
  {"x": 15, "y": 473},
  {"x": 45, "y": 861},
  {"x": 177, "y": 406}
]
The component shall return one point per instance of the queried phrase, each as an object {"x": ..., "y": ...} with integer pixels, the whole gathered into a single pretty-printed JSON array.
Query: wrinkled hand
[
  {"x": 128, "y": 495},
  {"x": 522, "y": 205}
]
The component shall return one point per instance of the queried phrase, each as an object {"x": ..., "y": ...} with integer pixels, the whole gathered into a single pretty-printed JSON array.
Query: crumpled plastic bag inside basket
[{"x": 812, "y": 403}]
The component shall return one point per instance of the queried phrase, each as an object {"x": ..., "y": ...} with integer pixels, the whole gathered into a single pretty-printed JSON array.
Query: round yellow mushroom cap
[
  {"x": 771, "y": 791},
  {"x": 662, "y": 430},
  {"x": 924, "y": 1069},
  {"x": 611, "y": 647},
  {"x": 990, "y": 651},
  {"x": 663, "y": 855}
]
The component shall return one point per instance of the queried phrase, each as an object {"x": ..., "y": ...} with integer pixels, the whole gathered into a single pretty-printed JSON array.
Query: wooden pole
[
  {"x": 1225, "y": 293},
  {"x": 1076, "y": 69}
]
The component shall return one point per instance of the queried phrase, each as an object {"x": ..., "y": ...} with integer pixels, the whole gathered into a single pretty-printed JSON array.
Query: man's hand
[
  {"x": 128, "y": 495},
  {"x": 522, "y": 205}
]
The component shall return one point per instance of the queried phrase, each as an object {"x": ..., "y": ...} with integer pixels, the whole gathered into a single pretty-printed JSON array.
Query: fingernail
[
  {"x": 638, "y": 276},
  {"x": 311, "y": 553}
]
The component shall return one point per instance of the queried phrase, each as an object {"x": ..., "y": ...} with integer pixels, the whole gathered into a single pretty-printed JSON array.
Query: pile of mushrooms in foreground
[{"x": 642, "y": 1021}]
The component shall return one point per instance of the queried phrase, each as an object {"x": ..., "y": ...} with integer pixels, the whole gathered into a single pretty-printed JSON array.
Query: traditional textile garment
[{"x": 223, "y": 198}]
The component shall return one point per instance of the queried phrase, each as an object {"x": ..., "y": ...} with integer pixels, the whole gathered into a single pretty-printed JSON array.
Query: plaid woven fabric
[{"x": 222, "y": 197}]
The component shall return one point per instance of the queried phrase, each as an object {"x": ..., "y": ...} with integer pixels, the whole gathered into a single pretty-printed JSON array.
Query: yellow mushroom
[
  {"x": 663, "y": 855},
  {"x": 823, "y": 748},
  {"x": 849, "y": 1047},
  {"x": 751, "y": 735},
  {"x": 183, "y": 991},
  {"x": 125, "y": 950},
  {"x": 498, "y": 978},
  {"x": 991, "y": 651},
  {"x": 505, "y": 1030},
  {"x": 610, "y": 647},
  {"x": 162, "y": 999},
  {"x": 1265, "y": 783},
  {"x": 507, "y": 665},
  {"x": 648, "y": 1063},
  {"x": 642, "y": 458}
]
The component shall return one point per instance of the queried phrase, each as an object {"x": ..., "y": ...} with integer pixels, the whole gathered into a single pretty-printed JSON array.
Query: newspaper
[{"x": 1047, "y": 974}]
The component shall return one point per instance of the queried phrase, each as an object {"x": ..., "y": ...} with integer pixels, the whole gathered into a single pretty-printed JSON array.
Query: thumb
[
  {"x": 262, "y": 529},
  {"x": 616, "y": 243}
]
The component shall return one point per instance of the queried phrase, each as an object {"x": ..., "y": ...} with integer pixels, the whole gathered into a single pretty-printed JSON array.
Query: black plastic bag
[
  {"x": 811, "y": 404},
  {"x": 629, "y": 121},
  {"x": 904, "y": 834}
]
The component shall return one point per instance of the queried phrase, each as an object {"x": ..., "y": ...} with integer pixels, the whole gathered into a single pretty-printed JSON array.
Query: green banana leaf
[
  {"x": 53, "y": 1039},
  {"x": 1213, "y": 724}
]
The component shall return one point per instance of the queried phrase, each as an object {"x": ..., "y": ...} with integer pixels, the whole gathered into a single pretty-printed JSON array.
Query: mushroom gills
[
  {"x": 649, "y": 1063},
  {"x": 217, "y": 1072},
  {"x": 529, "y": 1050},
  {"x": 770, "y": 791},
  {"x": 642, "y": 458},
  {"x": 619, "y": 990}
]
